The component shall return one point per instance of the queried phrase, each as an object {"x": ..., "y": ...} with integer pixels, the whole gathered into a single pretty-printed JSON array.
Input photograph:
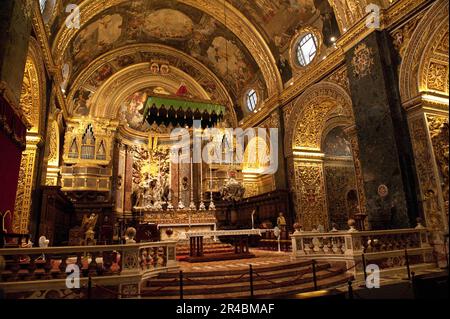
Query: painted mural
[
  {"x": 336, "y": 143},
  {"x": 157, "y": 21},
  {"x": 132, "y": 109}
]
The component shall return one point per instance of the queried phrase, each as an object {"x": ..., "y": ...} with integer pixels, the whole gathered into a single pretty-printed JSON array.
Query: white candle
[
  {"x": 192, "y": 181},
  {"x": 201, "y": 179}
]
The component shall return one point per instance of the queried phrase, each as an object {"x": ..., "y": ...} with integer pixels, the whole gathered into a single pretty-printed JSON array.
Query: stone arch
[
  {"x": 32, "y": 102},
  {"x": 317, "y": 104},
  {"x": 320, "y": 107},
  {"x": 423, "y": 68},
  {"x": 33, "y": 94}
]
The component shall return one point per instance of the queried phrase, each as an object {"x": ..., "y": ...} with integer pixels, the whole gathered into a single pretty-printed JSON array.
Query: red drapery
[{"x": 12, "y": 137}]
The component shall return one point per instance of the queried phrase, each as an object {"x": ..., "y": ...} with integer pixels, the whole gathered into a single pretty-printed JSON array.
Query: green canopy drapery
[
  {"x": 184, "y": 105},
  {"x": 158, "y": 109}
]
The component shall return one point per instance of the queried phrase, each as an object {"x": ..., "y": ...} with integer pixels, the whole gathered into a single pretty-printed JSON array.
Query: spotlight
[{"x": 333, "y": 39}]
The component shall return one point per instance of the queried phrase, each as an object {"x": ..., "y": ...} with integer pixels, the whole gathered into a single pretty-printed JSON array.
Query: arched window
[
  {"x": 252, "y": 100},
  {"x": 306, "y": 49}
]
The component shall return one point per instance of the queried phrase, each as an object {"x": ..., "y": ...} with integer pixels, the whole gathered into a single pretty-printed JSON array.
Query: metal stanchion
[
  {"x": 414, "y": 289},
  {"x": 89, "y": 292},
  {"x": 181, "y": 284},
  {"x": 251, "y": 281},
  {"x": 364, "y": 266},
  {"x": 407, "y": 264},
  {"x": 314, "y": 274},
  {"x": 350, "y": 290}
]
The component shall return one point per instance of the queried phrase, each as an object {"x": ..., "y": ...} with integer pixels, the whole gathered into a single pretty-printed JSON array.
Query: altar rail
[
  {"x": 33, "y": 269},
  {"x": 388, "y": 249}
]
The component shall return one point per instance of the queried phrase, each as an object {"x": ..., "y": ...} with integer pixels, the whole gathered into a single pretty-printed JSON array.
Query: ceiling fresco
[
  {"x": 186, "y": 29},
  {"x": 278, "y": 20},
  {"x": 197, "y": 34}
]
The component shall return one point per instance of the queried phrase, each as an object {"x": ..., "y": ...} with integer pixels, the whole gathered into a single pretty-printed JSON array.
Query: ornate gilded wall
[{"x": 310, "y": 192}]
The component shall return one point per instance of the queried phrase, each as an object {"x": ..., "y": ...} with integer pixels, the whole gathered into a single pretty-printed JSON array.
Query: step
[
  {"x": 259, "y": 283},
  {"x": 329, "y": 282},
  {"x": 214, "y": 278},
  {"x": 225, "y": 272}
]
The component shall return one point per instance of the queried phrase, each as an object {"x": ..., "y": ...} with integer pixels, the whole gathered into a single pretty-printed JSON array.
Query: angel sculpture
[
  {"x": 89, "y": 222},
  {"x": 88, "y": 225},
  {"x": 43, "y": 243}
]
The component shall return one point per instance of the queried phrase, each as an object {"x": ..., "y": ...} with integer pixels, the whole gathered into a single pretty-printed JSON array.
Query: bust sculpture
[
  {"x": 130, "y": 234},
  {"x": 281, "y": 221}
]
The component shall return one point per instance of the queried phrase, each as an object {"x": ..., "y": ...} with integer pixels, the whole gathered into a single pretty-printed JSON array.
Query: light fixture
[
  {"x": 292, "y": 83},
  {"x": 333, "y": 39},
  {"x": 345, "y": 29}
]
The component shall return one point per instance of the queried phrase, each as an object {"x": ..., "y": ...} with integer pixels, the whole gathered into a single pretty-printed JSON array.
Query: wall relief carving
[
  {"x": 362, "y": 60},
  {"x": 311, "y": 195},
  {"x": 438, "y": 127},
  {"x": 425, "y": 172}
]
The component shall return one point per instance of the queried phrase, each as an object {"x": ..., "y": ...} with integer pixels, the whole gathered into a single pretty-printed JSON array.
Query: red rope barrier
[
  {"x": 283, "y": 282},
  {"x": 199, "y": 282}
]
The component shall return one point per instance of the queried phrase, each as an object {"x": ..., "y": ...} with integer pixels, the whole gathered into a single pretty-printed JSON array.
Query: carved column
[
  {"x": 26, "y": 182},
  {"x": 128, "y": 181},
  {"x": 120, "y": 175},
  {"x": 311, "y": 205},
  {"x": 351, "y": 133},
  {"x": 429, "y": 135},
  {"x": 52, "y": 174}
]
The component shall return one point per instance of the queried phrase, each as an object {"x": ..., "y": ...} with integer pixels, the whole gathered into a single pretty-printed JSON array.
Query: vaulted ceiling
[{"x": 220, "y": 48}]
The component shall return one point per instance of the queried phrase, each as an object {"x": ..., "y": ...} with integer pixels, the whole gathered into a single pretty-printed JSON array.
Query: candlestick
[
  {"x": 202, "y": 204},
  {"x": 169, "y": 199},
  {"x": 192, "y": 204},
  {"x": 211, "y": 204},
  {"x": 180, "y": 202}
]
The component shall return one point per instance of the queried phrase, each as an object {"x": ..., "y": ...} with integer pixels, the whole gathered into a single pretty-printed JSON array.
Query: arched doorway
[{"x": 340, "y": 180}]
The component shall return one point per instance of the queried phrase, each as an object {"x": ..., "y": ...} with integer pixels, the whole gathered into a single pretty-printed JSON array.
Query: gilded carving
[
  {"x": 423, "y": 45},
  {"x": 362, "y": 61},
  {"x": 311, "y": 195},
  {"x": 347, "y": 12},
  {"x": 425, "y": 172},
  {"x": 351, "y": 133},
  {"x": 22, "y": 207},
  {"x": 402, "y": 36},
  {"x": 437, "y": 76},
  {"x": 438, "y": 128},
  {"x": 53, "y": 145},
  {"x": 340, "y": 77},
  {"x": 273, "y": 121},
  {"x": 305, "y": 128}
]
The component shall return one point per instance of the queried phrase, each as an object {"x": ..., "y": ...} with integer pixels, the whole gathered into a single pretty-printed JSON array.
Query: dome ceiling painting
[{"x": 199, "y": 29}]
